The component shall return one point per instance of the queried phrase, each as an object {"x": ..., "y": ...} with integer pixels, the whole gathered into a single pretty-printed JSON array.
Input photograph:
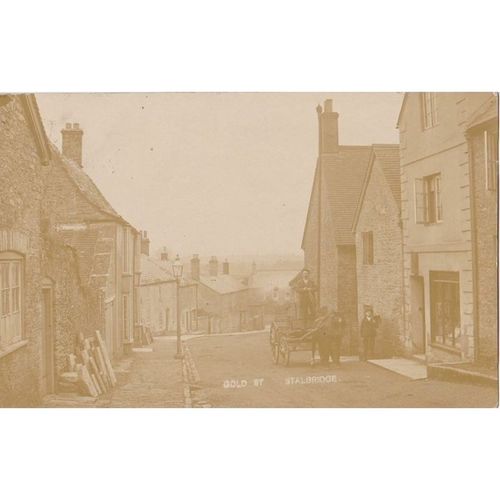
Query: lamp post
[{"x": 177, "y": 272}]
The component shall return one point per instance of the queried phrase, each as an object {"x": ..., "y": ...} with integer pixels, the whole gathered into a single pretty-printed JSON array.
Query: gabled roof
[
  {"x": 153, "y": 272},
  {"x": 403, "y": 105},
  {"x": 36, "y": 126},
  {"x": 342, "y": 175},
  {"x": 223, "y": 283},
  {"x": 486, "y": 112},
  {"x": 388, "y": 157}
]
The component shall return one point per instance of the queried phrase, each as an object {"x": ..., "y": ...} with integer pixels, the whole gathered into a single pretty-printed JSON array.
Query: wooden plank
[
  {"x": 86, "y": 381},
  {"x": 107, "y": 361},
  {"x": 95, "y": 372},
  {"x": 96, "y": 383},
  {"x": 72, "y": 362},
  {"x": 102, "y": 366}
]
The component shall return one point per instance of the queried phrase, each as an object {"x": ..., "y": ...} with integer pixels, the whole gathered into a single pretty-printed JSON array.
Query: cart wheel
[
  {"x": 272, "y": 336},
  {"x": 284, "y": 352},
  {"x": 276, "y": 352}
]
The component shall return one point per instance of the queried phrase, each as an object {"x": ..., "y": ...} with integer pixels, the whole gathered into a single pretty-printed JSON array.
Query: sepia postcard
[{"x": 258, "y": 250}]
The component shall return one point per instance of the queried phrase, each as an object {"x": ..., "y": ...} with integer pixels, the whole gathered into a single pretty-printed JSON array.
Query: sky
[{"x": 213, "y": 173}]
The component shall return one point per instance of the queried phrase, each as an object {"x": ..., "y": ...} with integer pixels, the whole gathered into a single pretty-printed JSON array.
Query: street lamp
[{"x": 177, "y": 272}]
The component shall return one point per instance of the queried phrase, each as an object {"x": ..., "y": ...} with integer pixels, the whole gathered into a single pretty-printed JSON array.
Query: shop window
[
  {"x": 11, "y": 290},
  {"x": 445, "y": 307}
]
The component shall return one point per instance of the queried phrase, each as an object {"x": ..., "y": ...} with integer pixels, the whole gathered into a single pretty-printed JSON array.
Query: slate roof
[
  {"x": 223, "y": 283},
  {"x": 388, "y": 154},
  {"x": 343, "y": 175},
  {"x": 153, "y": 272}
]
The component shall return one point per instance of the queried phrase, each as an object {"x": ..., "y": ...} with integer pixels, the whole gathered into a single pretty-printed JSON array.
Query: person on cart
[{"x": 306, "y": 295}]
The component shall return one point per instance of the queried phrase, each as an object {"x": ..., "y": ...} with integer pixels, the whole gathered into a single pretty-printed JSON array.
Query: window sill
[
  {"x": 11, "y": 348},
  {"x": 447, "y": 348}
]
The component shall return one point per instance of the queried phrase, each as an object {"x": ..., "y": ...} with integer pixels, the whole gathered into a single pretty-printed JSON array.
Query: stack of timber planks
[{"x": 90, "y": 367}]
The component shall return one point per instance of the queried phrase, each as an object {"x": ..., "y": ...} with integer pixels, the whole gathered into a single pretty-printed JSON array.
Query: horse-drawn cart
[{"x": 289, "y": 335}]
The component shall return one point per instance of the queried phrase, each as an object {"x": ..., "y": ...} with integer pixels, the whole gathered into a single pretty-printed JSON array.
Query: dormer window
[{"x": 429, "y": 110}]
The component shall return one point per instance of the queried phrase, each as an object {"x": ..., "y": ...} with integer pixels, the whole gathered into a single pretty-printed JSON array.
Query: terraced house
[
  {"x": 44, "y": 303},
  {"x": 69, "y": 263},
  {"x": 449, "y": 161}
]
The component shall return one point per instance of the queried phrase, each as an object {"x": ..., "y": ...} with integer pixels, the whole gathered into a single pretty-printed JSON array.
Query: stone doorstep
[
  {"x": 405, "y": 367},
  {"x": 456, "y": 374}
]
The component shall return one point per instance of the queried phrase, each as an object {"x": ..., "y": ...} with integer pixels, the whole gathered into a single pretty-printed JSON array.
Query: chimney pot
[
  {"x": 72, "y": 137},
  {"x": 164, "y": 254},
  {"x": 213, "y": 266},
  {"x": 144, "y": 243},
  {"x": 328, "y": 129},
  {"x": 195, "y": 267}
]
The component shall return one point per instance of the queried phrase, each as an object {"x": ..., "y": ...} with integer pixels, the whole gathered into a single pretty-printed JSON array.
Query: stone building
[
  {"x": 328, "y": 241},
  {"x": 379, "y": 255},
  {"x": 482, "y": 135},
  {"x": 108, "y": 246},
  {"x": 441, "y": 312},
  {"x": 44, "y": 304},
  {"x": 158, "y": 296},
  {"x": 224, "y": 302}
]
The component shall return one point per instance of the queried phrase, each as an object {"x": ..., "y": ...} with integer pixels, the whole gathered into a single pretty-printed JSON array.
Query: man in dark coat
[
  {"x": 368, "y": 333},
  {"x": 320, "y": 336},
  {"x": 336, "y": 327},
  {"x": 306, "y": 294}
]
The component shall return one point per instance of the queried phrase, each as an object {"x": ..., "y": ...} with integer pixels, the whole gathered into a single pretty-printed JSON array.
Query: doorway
[
  {"x": 417, "y": 314},
  {"x": 48, "y": 350}
]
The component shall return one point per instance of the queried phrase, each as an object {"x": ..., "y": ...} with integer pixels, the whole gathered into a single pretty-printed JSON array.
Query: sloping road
[{"x": 237, "y": 371}]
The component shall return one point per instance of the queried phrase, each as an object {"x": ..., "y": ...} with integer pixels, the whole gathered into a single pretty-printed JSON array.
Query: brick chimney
[
  {"x": 72, "y": 137},
  {"x": 225, "y": 267},
  {"x": 144, "y": 243},
  {"x": 164, "y": 254},
  {"x": 195, "y": 267},
  {"x": 328, "y": 122},
  {"x": 213, "y": 266}
]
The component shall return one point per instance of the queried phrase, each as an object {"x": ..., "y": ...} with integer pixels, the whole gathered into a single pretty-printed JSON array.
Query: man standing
[
  {"x": 306, "y": 294},
  {"x": 336, "y": 332},
  {"x": 368, "y": 333}
]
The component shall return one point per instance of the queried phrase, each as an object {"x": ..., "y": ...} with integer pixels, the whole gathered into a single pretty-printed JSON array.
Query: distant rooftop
[{"x": 223, "y": 283}]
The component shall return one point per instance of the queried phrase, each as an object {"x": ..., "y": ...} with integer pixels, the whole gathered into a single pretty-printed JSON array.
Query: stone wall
[
  {"x": 380, "y": 284},
  {"x": 485, "y": 225}
]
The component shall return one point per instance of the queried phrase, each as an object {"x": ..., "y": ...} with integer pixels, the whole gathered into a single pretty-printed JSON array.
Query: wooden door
[
  {"x": 417, "y": 316},
  {"x": 48, "y": 349}
]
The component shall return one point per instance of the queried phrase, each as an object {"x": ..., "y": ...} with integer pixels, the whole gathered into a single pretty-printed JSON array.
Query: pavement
[{"x": 149, "y": 377}]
